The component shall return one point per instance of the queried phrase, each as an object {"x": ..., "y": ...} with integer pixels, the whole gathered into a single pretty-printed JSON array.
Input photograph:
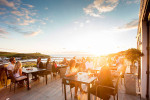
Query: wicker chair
[
  {"x": 15, "y": 80},
  {"x": 8, "y": 77},
  {"x": 115, "y": 89},
  {"x": 62, "y": 74}
]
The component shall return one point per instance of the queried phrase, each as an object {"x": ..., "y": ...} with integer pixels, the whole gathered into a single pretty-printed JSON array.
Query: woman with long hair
[
  {"x": 71, "y": 71},
  {"x": 104, "y": 79},
  {"x": 39, "y": 63},
  {"x": 18, "y": 69},
  {"x": 49, "y": 66},
  {"x": 18, "y": 72}
]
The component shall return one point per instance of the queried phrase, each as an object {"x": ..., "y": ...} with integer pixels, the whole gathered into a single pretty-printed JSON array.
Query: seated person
[
  {"x": 18, "y": 72},
  {"x": 104, "y": 79},
  {"x": 65, "y": 62},
  {"x": 54, "y": 69},
  {"x": 11, "y": 64},
  {"x": 121, "y": 68},
  {"x": 83, "y": 67},
  {"x": 39, "y": 65},
  {"x": 89, "y": 63},
  {"x": 48, "y": 65},
  {"x": 71, "y": 71}
]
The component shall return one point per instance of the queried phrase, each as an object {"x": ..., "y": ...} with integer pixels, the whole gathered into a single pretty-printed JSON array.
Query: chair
[
  {"x": 8, "y": 77},
  {"x": 62, "y": 74},
  {"x": 43, "y": 73},
  {"x": 115, "y": 89},
  {"x": 15, "y": 80},
  {"x": 49, "y": 70}
]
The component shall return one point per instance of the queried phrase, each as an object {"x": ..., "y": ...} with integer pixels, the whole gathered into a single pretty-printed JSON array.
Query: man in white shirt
[
  {"x": 12, "y": 64},
  {"x": 89, "y": 63}
]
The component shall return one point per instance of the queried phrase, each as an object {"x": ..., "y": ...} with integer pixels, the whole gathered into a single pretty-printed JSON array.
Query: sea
[{"x": 53, "y": 58}]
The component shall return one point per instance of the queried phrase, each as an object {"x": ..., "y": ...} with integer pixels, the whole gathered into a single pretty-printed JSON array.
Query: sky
[{"x": 68, "y": 27}]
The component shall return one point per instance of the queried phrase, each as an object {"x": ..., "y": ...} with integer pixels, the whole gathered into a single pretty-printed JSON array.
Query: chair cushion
[{"x": 20, "y": 78}]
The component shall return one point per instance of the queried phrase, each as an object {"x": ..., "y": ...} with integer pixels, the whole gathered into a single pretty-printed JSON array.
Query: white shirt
[
  {"x": 69, "y": 71},
  {"x": 17, "y": 74},
  {"x": 11, "y": 67},
  {"x": 89, "y": 65}
]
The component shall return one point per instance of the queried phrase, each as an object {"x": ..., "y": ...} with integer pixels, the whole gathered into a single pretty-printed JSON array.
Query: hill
[{"x": 23, "y": 55}]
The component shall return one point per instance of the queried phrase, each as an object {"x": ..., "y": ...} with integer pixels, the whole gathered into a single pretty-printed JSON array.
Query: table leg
[
  {"x": 28, "y": 82},
  {"x": 88, "y": 91},
  {"x": 65, "y": 91},
  {"x": 46, "y": 78}
]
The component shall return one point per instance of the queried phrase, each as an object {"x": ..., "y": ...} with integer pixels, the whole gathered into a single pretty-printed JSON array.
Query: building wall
[{"x": 143, "y": 59}]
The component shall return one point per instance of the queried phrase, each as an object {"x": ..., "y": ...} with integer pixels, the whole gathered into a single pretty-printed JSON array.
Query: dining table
[
  {"x": 82, "y": 79},
  {"x": 61, "y": 65},
  {"x": 31, "y": 70},
  {"x": 96, "y": 69}
]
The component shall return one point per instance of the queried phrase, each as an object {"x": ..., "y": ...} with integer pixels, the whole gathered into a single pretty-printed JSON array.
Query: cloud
[
  {"x": 2, "y": 36},
  {"x": 132, "y": 1},
  {"x": 46, "y": 18},
  {"x": 87, "y": 21},
  {"x": 81, "y": 24},
  {"x": 18, "y": 13},
  {"x": 3, "y": 31},
  {"x": 43, "y": 23},
  {"x": 1, "y": 13},
  {"x": 28, "y": 5},
  {"x": 25, "y": 33},
  {"x": 16, "y": 29},
  {"x": 2, "y": 9},
  {"x": 31, "y": 34},
  {"x": 46, "y": 8},
  {"x": 27, "y": 22},
  {"x": 100, "y": 6},
  {"x": 8, "y": 3},
  {"x": 131, "y": 25},
  {"x": 51, "y": 21},
  {"x": 22, "y": 16},
  {"x": 76, "y": 22}
]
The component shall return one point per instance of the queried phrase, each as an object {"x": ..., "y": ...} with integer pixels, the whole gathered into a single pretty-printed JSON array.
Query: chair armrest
[{"x": 103, "y": 87}]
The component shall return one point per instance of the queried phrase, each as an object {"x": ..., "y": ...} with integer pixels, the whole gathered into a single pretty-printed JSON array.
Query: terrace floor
[{"x": 52, "y": 91}]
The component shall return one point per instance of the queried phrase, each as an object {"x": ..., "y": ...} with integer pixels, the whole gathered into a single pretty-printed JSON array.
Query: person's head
[
  {"x": 38, "y": 60},
  {"x": 121, "y": 61},
  {"x": 12, "y": 60},
  {"x": 83, "y": 59},
  {"x": 54, "y": 62},
  {"x": 74, "y": 57},
  {"x": 105, "y": 73},
  {"x": 88, "y": 59},
  {"x": 72, "y": 63},
  {"x": 65, "y": 59},
  {"x": 48, "y": 59},
  {"x": 18, "y": 65}
]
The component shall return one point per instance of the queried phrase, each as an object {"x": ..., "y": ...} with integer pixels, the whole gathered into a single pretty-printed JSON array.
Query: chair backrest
[
  {"x": 6, "y": 71},
  {"x": 10, "y": 75},
  {"x": 117, "y": 83},
  {"x": 49, "y": 67},
  {"x": 62, "y": 72},
  {"x": 2, "y": 72}
]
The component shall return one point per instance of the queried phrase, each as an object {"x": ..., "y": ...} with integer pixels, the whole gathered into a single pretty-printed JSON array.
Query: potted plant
[{"x": 133, "y": 55}]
